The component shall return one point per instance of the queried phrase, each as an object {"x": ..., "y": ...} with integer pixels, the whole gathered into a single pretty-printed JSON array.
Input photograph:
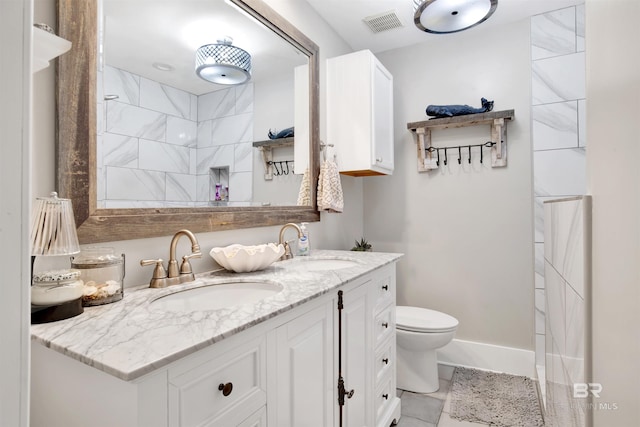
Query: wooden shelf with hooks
[
  {"x": 266, "y": 147},
  {"x": 496, "y": 119}
]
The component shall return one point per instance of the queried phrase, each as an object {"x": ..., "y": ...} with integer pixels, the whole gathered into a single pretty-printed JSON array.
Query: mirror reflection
[{"x": 169, "y": 138}]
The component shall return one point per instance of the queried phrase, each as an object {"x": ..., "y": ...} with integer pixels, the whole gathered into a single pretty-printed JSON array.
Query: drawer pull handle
[
  {"x": 386, "y": 361},
  {"x": 385, "y": 324},
  {"x": 386, "y": 396},
  {"x": 385, "y": 287},
  {"x": 226, "y": 389}
]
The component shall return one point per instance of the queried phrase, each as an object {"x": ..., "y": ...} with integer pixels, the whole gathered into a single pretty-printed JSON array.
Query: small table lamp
[{"x": 53, "y": 233}]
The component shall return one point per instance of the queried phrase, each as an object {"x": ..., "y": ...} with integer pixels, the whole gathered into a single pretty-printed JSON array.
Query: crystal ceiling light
[
  {"x": 451, "y": 16},
  {"x": 223, "y": 63}
]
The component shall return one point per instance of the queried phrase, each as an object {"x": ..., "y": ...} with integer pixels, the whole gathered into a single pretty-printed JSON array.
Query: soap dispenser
[{"x": 303, "y": 243}]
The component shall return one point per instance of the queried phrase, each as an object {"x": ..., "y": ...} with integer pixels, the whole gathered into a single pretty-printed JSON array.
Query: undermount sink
[
  {"x": 215, "y": 297},
  {"x": 321, "y": 264}
]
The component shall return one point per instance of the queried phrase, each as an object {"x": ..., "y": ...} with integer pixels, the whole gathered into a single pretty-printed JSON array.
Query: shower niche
[{"x": 219, "y": 185}]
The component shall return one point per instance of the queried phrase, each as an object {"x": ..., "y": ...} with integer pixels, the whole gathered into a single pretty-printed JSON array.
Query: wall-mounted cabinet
[{"x": 360, "y": 114}]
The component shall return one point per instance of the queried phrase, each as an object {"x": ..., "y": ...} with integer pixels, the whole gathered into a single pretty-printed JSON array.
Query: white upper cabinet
[
  {"x": 360, "y": 114},
  {"x": 46, "y": 47}
]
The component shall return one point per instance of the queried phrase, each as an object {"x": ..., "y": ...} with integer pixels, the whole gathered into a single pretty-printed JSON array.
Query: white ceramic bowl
[{"x": 243, "y": 259}]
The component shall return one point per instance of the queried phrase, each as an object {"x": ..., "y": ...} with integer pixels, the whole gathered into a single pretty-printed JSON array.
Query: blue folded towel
[{"x": 284, "y": 133}]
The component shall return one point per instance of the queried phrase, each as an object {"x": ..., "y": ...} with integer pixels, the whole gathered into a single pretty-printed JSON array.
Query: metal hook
[
  {"x": 438, "y": 160},
  {"x": 481, "y": 154},
  {"x": 469, "y": 154},
  {"x": 287, "y": 165},
  {"x": 445, "y": 156},
  {"x": 459, "y": 154},
  {"x": 275, "y": 166}
]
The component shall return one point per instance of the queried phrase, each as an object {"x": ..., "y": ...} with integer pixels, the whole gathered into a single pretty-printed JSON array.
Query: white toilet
[{"x": 419, "y": 333}]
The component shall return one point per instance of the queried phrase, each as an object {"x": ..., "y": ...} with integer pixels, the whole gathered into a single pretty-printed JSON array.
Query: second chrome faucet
[{"x": 174, "y": 276}]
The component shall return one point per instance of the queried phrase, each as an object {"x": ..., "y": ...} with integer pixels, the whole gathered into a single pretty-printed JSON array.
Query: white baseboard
[{"x": 489, "y": 357}]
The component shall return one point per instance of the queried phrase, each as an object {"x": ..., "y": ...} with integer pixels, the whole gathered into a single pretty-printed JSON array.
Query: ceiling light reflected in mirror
[{"x": 223, "y": 63}]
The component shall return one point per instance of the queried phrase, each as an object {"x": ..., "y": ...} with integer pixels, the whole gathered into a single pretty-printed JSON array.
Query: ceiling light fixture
[
  {"x": 223, "y": 63},
  {"x": 451, "y": 16}
]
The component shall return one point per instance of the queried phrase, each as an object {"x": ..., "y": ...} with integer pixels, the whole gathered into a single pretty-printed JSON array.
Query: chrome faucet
[
  {"x": 287, "y": 249},
  {"x": 161, "y": 278}
]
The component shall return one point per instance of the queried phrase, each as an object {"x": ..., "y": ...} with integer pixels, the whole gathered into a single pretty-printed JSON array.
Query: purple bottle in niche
[{"x": 218, "y": 192}]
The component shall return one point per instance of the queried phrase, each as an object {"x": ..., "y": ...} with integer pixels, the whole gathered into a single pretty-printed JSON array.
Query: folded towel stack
[{"x": 330, "y": 197}]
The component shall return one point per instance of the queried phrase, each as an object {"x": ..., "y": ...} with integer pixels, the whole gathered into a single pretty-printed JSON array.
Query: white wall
[
  {"x": 274, "y": 109},
  {"x": 613, "y": 96},
  {"x": 334, "y": 231},
  {"x": 466, "y": 230}
]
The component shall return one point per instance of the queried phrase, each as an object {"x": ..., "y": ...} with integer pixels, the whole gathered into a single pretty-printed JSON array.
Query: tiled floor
[{"x": 431, "y": 410}]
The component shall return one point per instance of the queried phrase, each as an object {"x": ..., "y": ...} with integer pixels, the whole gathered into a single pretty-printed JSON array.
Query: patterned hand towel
[
  {"x": 304, "y": 196},
  {"x": 330, "y": 197}
]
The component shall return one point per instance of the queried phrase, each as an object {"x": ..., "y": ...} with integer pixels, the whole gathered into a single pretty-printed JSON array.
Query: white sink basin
[
  {"x": 321, "y": 264},
  {"x": 215, "y": 297}
]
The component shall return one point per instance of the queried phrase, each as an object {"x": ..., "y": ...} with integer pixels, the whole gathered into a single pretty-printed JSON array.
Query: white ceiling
[
  {"x": 346, "y": 18},
  {"x": 139, "y": 33}
]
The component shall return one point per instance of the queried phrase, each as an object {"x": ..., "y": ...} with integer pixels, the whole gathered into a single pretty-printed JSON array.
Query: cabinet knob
[
  {"x": 378, "y": 159},
  {"x": 386, "y": 361},
  {"x": 386, "y": 396},
  {"x": 385, "y": 324},
  {"x": 226, "y": 389},
  {"x": 385, "y": 287}
]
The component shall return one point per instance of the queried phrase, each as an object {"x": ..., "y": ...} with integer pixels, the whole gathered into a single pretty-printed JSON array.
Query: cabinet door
[
  {"x": 304, "y": 369},
  {"x": 356, "y": 356},
  {"x": 382, "y": 117}
]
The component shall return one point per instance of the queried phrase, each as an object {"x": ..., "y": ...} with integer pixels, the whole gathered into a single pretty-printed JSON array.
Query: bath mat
[{"x": 496, "y": 399}]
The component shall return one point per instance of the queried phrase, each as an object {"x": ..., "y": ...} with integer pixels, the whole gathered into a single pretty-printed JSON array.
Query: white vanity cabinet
[
  {"x": 303, "y": 380},
  {"x": 368, "y": 351},
  {"x": 281, "y": 372},
  {"x": 360, "y": 114},
  {"x": 220, "y": 389}
]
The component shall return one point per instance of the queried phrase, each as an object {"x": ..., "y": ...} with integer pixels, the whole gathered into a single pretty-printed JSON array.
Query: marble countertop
[{"x": 130, "y": 338}]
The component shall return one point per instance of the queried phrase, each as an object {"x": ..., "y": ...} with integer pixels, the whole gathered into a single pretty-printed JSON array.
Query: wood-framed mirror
[{"x": 77, "y": 140}]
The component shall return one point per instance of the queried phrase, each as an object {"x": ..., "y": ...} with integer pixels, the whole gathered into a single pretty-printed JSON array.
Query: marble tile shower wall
[
  {"x": 567, "y": 245},
  {"x": 558, "y": 129},
  {"x": 157, "y": 144}
]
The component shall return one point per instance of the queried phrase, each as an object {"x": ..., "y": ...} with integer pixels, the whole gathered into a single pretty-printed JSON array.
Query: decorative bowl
[{"x": 243, "y": 259}]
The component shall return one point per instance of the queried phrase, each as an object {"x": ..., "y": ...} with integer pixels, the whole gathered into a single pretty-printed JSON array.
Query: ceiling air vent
[{"x": 383, "y": 21}]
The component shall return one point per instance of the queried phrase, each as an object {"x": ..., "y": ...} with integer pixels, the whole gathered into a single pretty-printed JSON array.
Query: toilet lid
[{"x": 417, "y": 319}]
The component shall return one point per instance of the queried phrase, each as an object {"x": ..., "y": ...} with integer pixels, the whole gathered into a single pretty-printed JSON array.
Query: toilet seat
[{"x": 417, "y": 319}]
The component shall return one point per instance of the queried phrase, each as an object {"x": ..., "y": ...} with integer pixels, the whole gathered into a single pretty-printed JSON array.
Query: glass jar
[
  {"x": 56, "y": 287},
  {"x": 102, "y": 271}
]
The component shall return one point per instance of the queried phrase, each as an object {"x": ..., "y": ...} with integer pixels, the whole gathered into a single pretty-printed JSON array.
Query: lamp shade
[
  {"x": 53, "y": 227},
  {"x": 451, "y": 16},
  {"x": 223, "y": 63}
]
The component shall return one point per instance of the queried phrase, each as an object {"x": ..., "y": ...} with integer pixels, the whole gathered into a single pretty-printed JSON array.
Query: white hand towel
[
  {"x": 304, "y": 196},
  {"x": 330, "y": 197}
]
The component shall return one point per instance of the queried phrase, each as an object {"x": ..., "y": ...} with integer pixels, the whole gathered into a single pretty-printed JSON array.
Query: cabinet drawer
[
  {"x": 384, "y": 324},
  {"x": 197, "y": 394},
  {"x": 239, "y": 418},
  {"x": 385, "y": 292},
  {"x": 385, "y": 361},
  {"x": 384, "y": 397}
]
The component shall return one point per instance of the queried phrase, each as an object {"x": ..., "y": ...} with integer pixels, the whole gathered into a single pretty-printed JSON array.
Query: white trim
[
  {"x": 15, "y": 118},
  {"x": 488, "y": 357}
]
